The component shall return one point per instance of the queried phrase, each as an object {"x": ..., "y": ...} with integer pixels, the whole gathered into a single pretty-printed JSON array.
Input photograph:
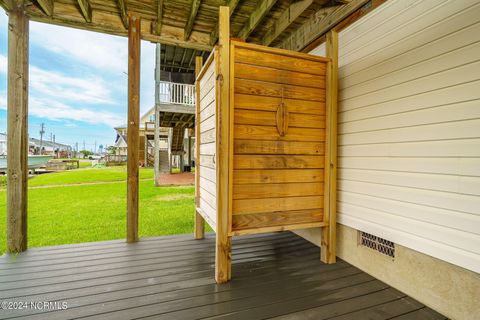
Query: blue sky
[{"x": 78, "y": 83}]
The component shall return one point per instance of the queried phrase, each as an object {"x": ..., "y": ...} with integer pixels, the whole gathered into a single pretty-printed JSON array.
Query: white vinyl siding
[{"x": 409, "y": 127}]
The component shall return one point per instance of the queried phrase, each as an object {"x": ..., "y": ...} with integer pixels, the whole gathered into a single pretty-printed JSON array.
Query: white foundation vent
[{"x": 373, "y": 242}]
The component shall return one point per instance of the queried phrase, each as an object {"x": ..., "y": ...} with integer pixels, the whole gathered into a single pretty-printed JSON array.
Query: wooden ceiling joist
[
  {"x": 86, "y": 9},
  {"x": 319, "y": 23},
  {"x": 191, "y": 18},
  {"x": 47, "y": 6},
  {"x": 158, "y": 23},
  {"x": 122, "y": 6},
  {"x": 256, "y": 17},
  {"x": 285, "y": 20}
]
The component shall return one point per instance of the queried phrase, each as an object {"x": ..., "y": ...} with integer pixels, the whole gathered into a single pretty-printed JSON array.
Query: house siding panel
[{"x": 409, "y": 127}]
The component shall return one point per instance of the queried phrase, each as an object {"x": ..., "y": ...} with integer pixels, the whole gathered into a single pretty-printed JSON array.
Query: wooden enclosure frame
[{"x": 218, "y": 71}]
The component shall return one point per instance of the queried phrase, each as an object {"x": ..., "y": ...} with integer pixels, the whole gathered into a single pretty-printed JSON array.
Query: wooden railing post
[
  {"x": 17, "y": 127},
  {"x": 133, "y": 138},
  {"x": 199, "y": 230},
  {"x": 223, "y": 257},
  {"x": 329, "y": 233}
]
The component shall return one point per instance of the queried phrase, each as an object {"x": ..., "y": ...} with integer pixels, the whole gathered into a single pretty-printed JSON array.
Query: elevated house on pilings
[{"x": 376, "y": 140}]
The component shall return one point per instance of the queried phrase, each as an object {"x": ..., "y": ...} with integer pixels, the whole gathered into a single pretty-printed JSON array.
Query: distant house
[
  {"x": 58, "y": 150},
  {"x": 3, "y": 144},
  {"x": 36, "y": 147}
]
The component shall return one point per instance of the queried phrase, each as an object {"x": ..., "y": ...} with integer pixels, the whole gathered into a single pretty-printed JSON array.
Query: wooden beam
[
  {"x": 156, "y": 152},
  {"x": 86, "y": 9},
  {"x": 328, "y": 242},
  {"x": 17, "y": 129},
  {"x": 255, "y": 18},
  {"x": 158, "y": 23},
  {"x": 123, "y": 12},
  {"x": 191, "y": 18},
  {"x": 7, "y": 5},
  {"x": 183, "y": 59},
  {"x": 133, "y": 138},
  {"x": 199, "y": 230},
  {"x": 360, "y": 12},
  {"x": 47, "y": 6},
  {"x": 68, "y": 14},
  {"x": 223, "y": 259},
  {"x": 285, "y": 20},
  {"x": 318, "y": 24},
  {"x": 232, "y": 5}
]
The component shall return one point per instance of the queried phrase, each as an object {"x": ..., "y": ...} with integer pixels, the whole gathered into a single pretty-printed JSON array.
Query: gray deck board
[{"x": 274, "y": 276}]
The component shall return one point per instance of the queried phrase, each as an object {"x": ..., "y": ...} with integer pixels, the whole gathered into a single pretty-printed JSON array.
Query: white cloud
[
  {"x": 53, "y": 84},
  {"x": 3, "y": 101},
  {"x": 95, "y": 49},
  {"x": 54, "y": 110},
  {"x": 3, "y": 64}
]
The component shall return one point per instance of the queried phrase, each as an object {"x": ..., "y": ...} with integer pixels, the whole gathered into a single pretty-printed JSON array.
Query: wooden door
[{"x": 278, "y": 138}]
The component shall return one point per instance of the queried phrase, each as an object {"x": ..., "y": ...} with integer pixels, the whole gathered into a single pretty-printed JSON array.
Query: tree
[
  {"x": 86, "y": 153},
  {"x": 111, "y": 149}
]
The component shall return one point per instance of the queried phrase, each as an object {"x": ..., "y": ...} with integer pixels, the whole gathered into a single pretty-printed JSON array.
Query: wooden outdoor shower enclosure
[{"x": 262, "y": 143}]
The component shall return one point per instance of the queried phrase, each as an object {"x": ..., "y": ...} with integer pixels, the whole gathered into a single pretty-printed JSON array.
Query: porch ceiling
[{"x": 186, "y": 23}]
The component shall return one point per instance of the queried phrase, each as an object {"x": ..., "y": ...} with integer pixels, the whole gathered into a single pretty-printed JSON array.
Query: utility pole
[
  {"x": 95, "y": 150},
  {"x": 42, "y": 132},
  {"x": 84, "y": 145}
]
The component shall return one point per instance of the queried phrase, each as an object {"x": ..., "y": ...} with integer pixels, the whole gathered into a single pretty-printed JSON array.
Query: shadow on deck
[{"x": 274, "y": 275}]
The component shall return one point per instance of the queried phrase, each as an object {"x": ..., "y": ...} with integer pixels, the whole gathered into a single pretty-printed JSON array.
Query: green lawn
[
  {"x": 87, "y": 175},
  {"x": 94, "y": 212}
]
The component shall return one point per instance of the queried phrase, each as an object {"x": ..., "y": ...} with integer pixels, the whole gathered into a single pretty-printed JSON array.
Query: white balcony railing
[{"x": 177, "y": 93}]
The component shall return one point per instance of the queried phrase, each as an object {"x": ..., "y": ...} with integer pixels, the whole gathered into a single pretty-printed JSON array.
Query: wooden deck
[{"x": 274, "y": 275}]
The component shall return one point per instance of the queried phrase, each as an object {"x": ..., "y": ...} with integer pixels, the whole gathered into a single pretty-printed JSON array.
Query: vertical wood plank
[
  {"x": 328, "y": 243},
  {"x": 133, "y": 138},
  {"x": 156, "y": 141},
  {"x": 17, "y": 139},
  {"x": 199, "y": 230},
  {"x": 223, "y": 240}
]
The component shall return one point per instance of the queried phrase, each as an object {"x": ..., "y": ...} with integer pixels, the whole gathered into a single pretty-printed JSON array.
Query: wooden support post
[
  {"x": 223, "y": 250},
  {"x": 189, "y": 153},
  {"x": 133, "y": 138},
  {"x": 199, "y": 231},
  {"x": 329, "y": 233},
  {"x": 156, "y": 152},
  {"x": 17, "y": 127}
]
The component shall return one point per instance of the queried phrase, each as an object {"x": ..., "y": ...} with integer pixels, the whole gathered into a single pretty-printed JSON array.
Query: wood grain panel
[
  {"x": 277, "y": 162},
  {"x": 277, "y": 190},
  {"x": 258, "y": 220},
  {"x": 208, "y": 185},
  {"x": 208, "y": 213},
  {"x": 208, "y": 149},
  {"x": 208, "y": 173},
  {"x": 264, "y": 103},
  {"x": 208, "y": 197},
  {"x": 245, "y": 71},
  {"x": 207, "y": 124},
  {"x": 270, "y": 133},
  {"x": 282, "y": 62},
  {"x": 207, "y": 111},
  {"x": 268, "y": 118},
  {"x": 207, "y": 161},
  {"x": 250, "y": 206},
  {"x": 277, "y": 176},
  {"x": 206, "y": 100},
  {"x": 208, "y": 136},
  {"x": 278, "y": 147},
  {"x": 275, "y": 90}
]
